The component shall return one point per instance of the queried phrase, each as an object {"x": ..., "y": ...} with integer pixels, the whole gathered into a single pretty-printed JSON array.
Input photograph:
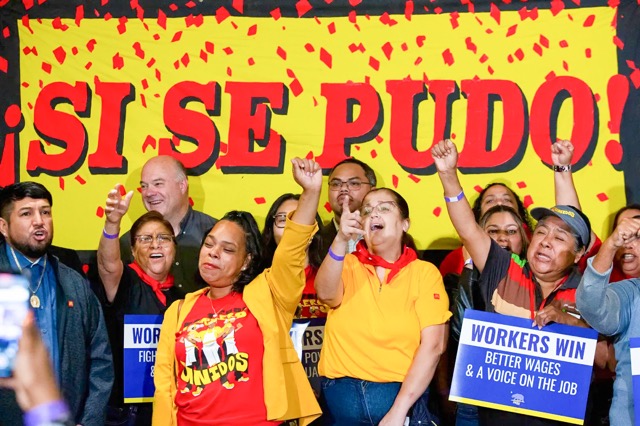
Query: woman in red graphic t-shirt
[{"x": 227, "y": 348}]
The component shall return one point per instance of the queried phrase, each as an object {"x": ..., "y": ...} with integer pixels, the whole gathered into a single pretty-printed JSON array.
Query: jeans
[
  {"x": 467, "y": 415},
  {"x": 348, "y": 401}
]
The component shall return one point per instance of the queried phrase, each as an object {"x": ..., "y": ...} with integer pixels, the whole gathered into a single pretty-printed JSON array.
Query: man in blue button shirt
[{"x": 66, "y": 311}]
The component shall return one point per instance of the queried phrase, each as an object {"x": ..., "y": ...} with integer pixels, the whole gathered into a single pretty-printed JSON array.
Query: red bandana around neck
[
  {"x": 155, "y": 285},
  {"x": 364, "y": 256}
]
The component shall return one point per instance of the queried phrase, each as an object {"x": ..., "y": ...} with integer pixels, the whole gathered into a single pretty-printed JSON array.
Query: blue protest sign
[
  {"x": 505, "y": 363},
  {"x": 634, "y": 345},
  {"x": 307, "y": 336},
  {"x": 141, "y": 335}
]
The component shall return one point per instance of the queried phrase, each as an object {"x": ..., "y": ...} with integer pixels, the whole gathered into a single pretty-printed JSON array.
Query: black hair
[
  {"x": 368, "y": 171},
  {"x": 501, "y": 208},
  {"x": 21, "y": 190},
  {"x": 253, "y": 247},
  {"x": 521, "y": 209},
  {"x": 151, "y": 216},
  {"x": 403, "y": 206},
  {"x": 269, "y": 241}
]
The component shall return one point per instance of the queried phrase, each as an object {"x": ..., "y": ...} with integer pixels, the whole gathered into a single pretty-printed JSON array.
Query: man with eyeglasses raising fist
[{"x": 351, "y": 180}]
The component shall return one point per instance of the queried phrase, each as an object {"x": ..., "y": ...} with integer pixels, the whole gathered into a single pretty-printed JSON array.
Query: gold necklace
[
  {"x": 34, "y": 300},
  {"x": 215, "y": 311}
]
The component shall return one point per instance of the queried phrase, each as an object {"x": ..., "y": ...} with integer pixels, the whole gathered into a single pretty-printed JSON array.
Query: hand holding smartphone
[{"x": 14, "y": 306}]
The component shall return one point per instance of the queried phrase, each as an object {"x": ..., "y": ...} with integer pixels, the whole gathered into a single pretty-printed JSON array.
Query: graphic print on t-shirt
[{"x": 211, "y": 352}]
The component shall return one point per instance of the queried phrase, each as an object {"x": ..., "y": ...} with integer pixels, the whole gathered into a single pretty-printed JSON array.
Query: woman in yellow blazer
[{"x": 228, "y": 346}]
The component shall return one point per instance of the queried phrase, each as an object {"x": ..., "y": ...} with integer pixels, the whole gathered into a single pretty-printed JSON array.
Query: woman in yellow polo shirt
[{"x": 386, "y": 328}]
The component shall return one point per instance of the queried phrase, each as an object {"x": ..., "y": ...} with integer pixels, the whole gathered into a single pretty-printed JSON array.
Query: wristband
[
  {"x": 335, "y": 257},
  {"x": 47, "y": 413},
  {"x": 109, "y": 236},
  {"x": 455, "y": 199},
  {"x": 566, "y": 168}
]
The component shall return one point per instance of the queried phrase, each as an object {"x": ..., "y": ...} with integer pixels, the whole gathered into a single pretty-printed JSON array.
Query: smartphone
[{"x": 14, "y": 306}]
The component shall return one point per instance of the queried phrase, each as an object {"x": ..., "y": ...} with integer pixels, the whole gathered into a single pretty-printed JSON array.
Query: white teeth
[
  {"x": 628, "y": 256},
  {"x": 156, "y": 255}
]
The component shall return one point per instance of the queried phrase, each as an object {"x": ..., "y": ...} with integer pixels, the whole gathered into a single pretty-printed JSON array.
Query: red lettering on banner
[
  {"x": 108, "y": 159},
  {"x": 478, "y": 156},
  {"x": 192, "y": 126},
  {"x": 341, "y": 129},
  {"x": 545, "y": 109},
  {"x": 60, "y": 129},
  {"x": 251, "y": 125}
]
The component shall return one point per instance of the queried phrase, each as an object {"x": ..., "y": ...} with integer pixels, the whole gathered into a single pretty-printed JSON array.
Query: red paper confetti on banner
[
  {"x": 185, "y": 60},
  {"x": 408, "y": 10},
  {"x": 619, "y": 43},
  {"x": 527, "y": 201},
  {"x": 420, "y": 40},
  {"x": 326, "y": 58},
  {"x": 550, "y": 76},
  {"x": 221, "y": 14},
  {"x": 557, "y": 6},
  {"x": 296, "y": 87},
  {"x": 4, "y": 65},
  {"x": 387, "y": 49},
  {"x": 281, "y": 52},
  {"x": 118, "y": 62},
  {"x": 303, "y": 6},
  {"x": 635, "y": 78},
  {"x": 100, "y": 212},
  {"x": 613, "y": 151},
  {"x": 79, "y": 15},
  {"x": 386, "y": 19},
  {"x": 143, "y": 100},
  {"x": 589, "y": 21},
  {"x": 173, "y": 7},
  {"x": 194, "y": 20},
  {"x": 563, "y": 43},
  {"x": 414, "y": 178},
  {"x": 138, "y": 49},
  {"x": 238, "y": 5},
  {"x": 252, "y": 30},
  {"x": 91, "y": 44},
  {"x": 394, "y": 181},
  {"x": 61, "y": 183},
  {"x": 176, "y": 37},
  {"x": 150, "y": 141},
  {"x": 519, "y": 54},
  {"x": 374, "y": 63},
  {"x": 309, "y": 48},
  {"x": 60, "y": 54},
  {"x": 46, "y": 67},
  {"x": 162, "y": 19},
  {"x": 309, "y": 155},
  {"x": 88, "y": 65},
  {"x": 360, "y": 47},
  {"x": 495, "y": 13},
  {"x": 478, "y": 188},
  {"x": 521, "y": 184},
  {"x": 602, "y": 197},
  {"x": 6, "y": 32},
  {"x": 373, "y": 153},
  {"x": 123, "y": 190},
  {"x": 26, "y": 24},
  {"x": 151, "y": 62},
  {"x": 209, "y": 47},
  {"x": 470, "y": 46},
  {"x": 327, "y": 207},
  {"x": 275, "y": 13},
  {"x": 331, "y": 28},
  {"x": 57, "y": 24},
  {"x": 228, "y": 50},
  {"x": 565, "y": 65},
  {"x": 80, "y": 180},
  {"x": 453, "y": 18},
  {"x": 437, "y": 211},
  {"x": 122, "y": 25},
  {"x": 512, "y": 30},
  {"x": 259, "y": 200},
  {"x": 537, "y": 48},
  {"x": 448, "y": 57}
]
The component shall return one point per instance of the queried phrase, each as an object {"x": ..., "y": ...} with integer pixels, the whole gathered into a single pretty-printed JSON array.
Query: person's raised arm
[
  {"x": 307, "y": 174},
  {"x": 565, "y": 189},
  {"x": 110, "y": 265},
  {"x": 475, "y": 240},
  {"x": 328, "y": 282}
]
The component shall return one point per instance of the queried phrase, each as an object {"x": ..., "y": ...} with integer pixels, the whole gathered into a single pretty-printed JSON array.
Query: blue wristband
[
  {"x": 335, "y": 257},
  {"x": 47, "y": 413},
  {"x": 109, "y": 236},
  {"x": 457, "y": 198}
]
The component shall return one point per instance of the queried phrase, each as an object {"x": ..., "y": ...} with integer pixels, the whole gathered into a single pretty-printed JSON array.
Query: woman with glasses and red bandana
[
  {"x": 144, "y": 287},
  {"x": 386, "y": 326}
]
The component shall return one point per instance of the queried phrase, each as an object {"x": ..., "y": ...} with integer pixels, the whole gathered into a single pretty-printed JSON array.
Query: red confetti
[
  {"x": 88, "y": 65},
  {"x": 565, "y": 65},
  {"x": 602, "y": 196},
  {"x": 275, "y": 13},
  {"x": 521, "y": 184},
  {"x": 448, "y": 57},
  {"x": 296, "y": 87},
  {"x": 148, "y": 142},
  {"x": 100, "y": 212},
  {"x": 613, "y": 151},
  {"x": 303, "y": 6},
  {"x": 252, "y": 30},
  {"x": 557, "y": 6},
  {"x": 185, "y": 60},
  {"x": 151, "y": 62},
  {"x": 589, "y": 21},
  {"x": 511, "y": 30},
  {"x": 238, "y": 5},
  {"x": 331, "y": 28},
  {"x": 437, "y": 211},
  {"x": 221, "y": 14},
  {"x": 408, "y": 10},
  {"x": 495, "y": 13},
  {"x": 309, "y": 48},
  {"x": 550, "y": 76},
  {"x": 228, "y": 50},
  {"x": 143, "y": 100},
  {"x": 387, "y": 49},
  {"x": 4, "y": 65},
  {"x": 519, "y": 54},
  {"x": 544, "y": 41},
  {"x": 74, "y": 50},
  {"x": 386, "y": 19},
  {"x": 420, "y": 40},
  {"x": 483, "y": 58},
  {"x": 60, "y": 54},
  {"x": 619, "y": 43},
  {"x": 122, "y": 27},
  {"x": 478, "y": 188},
  {"x": 309, "y": 155},
  {"x": 209, "y": 47},
  {"x": 118, "y": 62},
  {"x": 79, "y": 14},
  {"x": 563, "y": 43},
  {"x": 537, "y": 48},
  {"x": 394, "y": 181},
  {"x": 162, "y": 19},
  {"x": 326, "y": 58},
  {"x": 374, "y": 63},
  {"x": 404, "y": 47},
  {"x": 123, "y": 191},
  {"x": 138, "y": 49},
  {"x": 527, "y": 201},
  {"x": 91, "y": 44},
  {"x": 26, "y": 24},
  {"x": 46, "y": 67},
  {"x": 58, "y": 25},
  {"x": 281, "y": 52},
  {"x": 80, "y": 180},
  {"x": 176, "y": 36},
  {"x": 194, "y": 20},
  {"x": 173, "y": 7},
  {"x": 374, "y": 154},
  {"x": 327, "y": 207},
  {"x": 470, "y": 46},
  {"x": 354, "y": 3},
  {"x": 414, "y": 178},
  {"x": 6, "y": 32},
  {"x": 259, "y": 200},
  {"x": 61, "y": 182},
  {"x": 453, "y": 18},
  {"x": 353, "y": 47},
  {"x": 635, "y": 78}
]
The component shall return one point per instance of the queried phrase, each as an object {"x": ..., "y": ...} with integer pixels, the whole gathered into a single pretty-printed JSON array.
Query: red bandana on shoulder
[
  {"x": 155, "y": 285},
  {"x": 364, "y": 256}
]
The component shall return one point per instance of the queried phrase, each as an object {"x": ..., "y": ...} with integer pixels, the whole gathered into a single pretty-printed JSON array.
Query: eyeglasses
[
  {"x": 280, "y": 220},
  {"x": 353, "y": 184},
  {"x": 161, "y": 239},
  {"x": 383, "y": 207}
]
